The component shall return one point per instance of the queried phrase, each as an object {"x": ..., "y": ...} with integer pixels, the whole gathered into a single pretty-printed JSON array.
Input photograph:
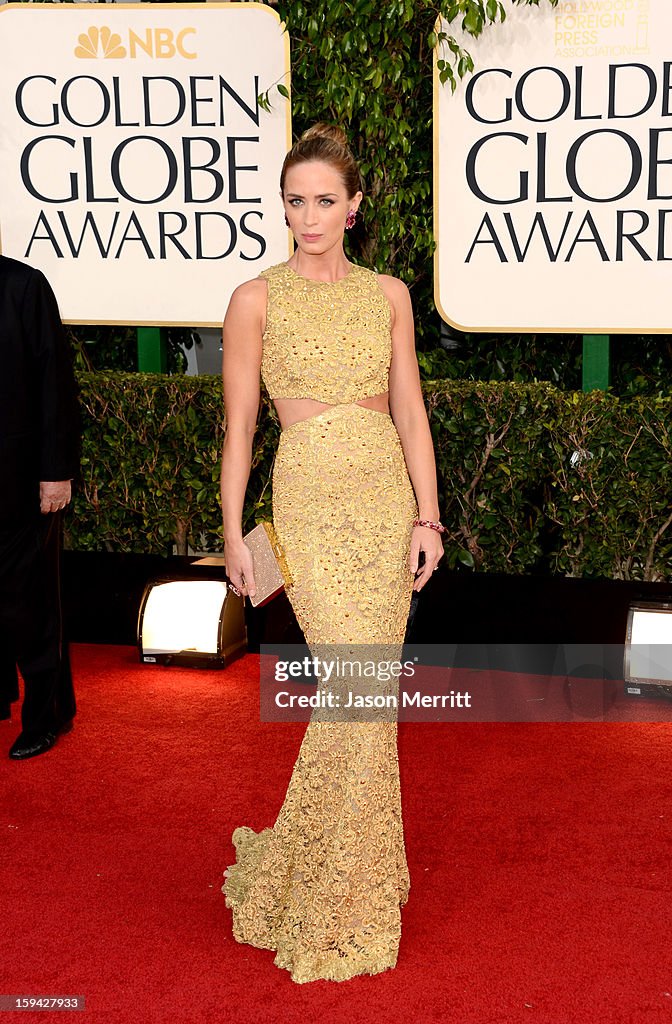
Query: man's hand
[{"x": 54, "y": 495}]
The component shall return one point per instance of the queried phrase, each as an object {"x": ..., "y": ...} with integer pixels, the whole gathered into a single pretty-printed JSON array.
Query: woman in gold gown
[{"x": 354, "y": 506}]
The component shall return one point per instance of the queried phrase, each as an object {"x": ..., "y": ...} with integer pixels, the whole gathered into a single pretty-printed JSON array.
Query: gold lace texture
[
  {"x": 324, "y": 886},
  {"x": 327, "y": 341}
]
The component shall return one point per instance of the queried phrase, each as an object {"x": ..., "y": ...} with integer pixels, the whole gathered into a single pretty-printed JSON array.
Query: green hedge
[
  {"x": 509, "y": 494},
  {"x": 613, "y": 513}
]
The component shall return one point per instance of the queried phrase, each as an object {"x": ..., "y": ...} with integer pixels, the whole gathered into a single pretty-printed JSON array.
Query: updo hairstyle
[{"x": 327, "y": 143}]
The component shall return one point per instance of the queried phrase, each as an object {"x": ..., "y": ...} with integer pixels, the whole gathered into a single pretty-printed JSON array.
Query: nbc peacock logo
[
  {"x": 101, "y": 42},
  {"x": 157, "y": 43}
]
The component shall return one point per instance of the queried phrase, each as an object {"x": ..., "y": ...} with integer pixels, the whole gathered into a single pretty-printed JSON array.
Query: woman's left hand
[{"x": 429, "y": 542}]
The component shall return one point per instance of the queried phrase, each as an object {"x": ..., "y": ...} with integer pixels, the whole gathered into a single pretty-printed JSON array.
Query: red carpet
[{"x": 540, "y": 859}]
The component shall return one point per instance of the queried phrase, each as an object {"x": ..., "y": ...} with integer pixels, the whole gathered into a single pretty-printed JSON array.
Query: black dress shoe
[{"x": 24, "y": 747}]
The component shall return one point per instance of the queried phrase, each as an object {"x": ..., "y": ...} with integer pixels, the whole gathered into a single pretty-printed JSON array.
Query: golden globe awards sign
[
  {"x": 553, "y": 172},
  {"x": 137, "y": 168}
]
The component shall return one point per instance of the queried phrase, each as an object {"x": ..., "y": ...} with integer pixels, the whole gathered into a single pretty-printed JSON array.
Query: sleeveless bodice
[{"x": 325, "y": 340}]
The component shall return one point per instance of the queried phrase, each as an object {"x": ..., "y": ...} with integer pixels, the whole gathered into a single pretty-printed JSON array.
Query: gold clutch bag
[{"x": 271, "y": 573}]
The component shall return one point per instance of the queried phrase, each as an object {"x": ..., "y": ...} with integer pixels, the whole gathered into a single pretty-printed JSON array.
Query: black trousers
[{"x": 31, "y": 630}]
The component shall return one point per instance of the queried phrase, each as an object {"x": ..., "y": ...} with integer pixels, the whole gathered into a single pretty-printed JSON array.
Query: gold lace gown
[{"x": 324, "y": 886}]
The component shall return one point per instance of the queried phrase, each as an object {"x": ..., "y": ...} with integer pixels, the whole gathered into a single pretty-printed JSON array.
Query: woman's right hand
[{"x": 239, "y": 567}]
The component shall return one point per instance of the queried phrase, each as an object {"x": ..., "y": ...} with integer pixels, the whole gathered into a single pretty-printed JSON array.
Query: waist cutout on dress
[{"x": 339, "y": 410}]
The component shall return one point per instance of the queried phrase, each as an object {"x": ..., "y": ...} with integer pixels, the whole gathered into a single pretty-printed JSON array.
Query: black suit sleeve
[{"x": 57, "y": 411}]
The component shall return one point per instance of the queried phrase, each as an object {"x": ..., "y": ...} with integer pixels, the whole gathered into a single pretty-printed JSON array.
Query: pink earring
[{"x": 350, "y": 219}]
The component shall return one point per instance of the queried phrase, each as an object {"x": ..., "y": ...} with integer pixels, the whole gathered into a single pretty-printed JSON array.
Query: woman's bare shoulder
[
  {"x": 394, "y": 288},
  {"x": 252, "y": 290},
  {"x": 397, "y": 294},
  {"x": 249, "y": 297}
]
